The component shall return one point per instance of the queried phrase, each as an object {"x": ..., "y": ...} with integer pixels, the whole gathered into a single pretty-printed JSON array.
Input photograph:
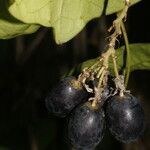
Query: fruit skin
[
  {"x": 65, "y": 96},
  {"x": 125, "y": 117},
  {"x": 105, "y": 95},
  {"x": 86, "y": 126}
]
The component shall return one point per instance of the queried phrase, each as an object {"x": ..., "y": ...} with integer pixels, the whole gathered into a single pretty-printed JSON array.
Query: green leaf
[
  {"x": 11, "y": 27},
  {"x": 67, "y": 17},
  {"x": 140, "y": 59}
]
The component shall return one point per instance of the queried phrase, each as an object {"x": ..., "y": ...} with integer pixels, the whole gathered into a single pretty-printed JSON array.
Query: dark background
[{"x": 30, "y": 65}]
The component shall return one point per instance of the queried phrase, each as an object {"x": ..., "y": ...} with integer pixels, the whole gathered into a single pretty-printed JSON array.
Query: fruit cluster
[
  {"x": 123, "y": 115},
  {"x": 92, "y": 106}
]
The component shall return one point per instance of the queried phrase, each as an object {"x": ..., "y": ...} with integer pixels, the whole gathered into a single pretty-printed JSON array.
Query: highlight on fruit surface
[
  {"x": 86, "y": 126},
  {"x": 67, "y": 94},
  {"x": 125, "y": 117}
]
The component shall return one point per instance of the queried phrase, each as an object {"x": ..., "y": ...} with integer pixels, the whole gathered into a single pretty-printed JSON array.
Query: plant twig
[
  {"x": 104, "y": 58},
  {"x": 127, "y": 68}
]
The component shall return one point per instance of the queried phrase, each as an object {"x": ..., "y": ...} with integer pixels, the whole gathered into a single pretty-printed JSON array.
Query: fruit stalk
[
  {"x": 127, "y": 68},
  {"x": 100, "y": 69},
  {"x": 111, "y": 51}
]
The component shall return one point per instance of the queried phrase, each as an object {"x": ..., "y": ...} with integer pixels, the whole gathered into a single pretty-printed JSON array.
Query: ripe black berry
[
  {"x": 65, "y": 96},
  {"x": 86, "y": 126},
  {"x": 125, "y": 117},
  {"x": 105, "y": 95}
]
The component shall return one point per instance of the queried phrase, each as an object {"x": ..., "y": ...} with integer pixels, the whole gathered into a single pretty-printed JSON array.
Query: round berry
[
  {"x": 105, "y": 95},
  {"x": 86, "y": 126},
  {"x": 125, "y": 117},
  {"x": 68, "y": 93}
]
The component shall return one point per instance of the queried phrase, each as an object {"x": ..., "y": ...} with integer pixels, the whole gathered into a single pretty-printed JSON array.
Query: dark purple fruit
[
  {"x": 65, "y": 96},
  {"x": 86, "y": 126},
  {"x": 105, "y": 95},
  {"x": 125, "y": 117}
]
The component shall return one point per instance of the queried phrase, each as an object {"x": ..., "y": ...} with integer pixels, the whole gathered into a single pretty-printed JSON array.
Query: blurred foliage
[{"x": 3, "y": 148}]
